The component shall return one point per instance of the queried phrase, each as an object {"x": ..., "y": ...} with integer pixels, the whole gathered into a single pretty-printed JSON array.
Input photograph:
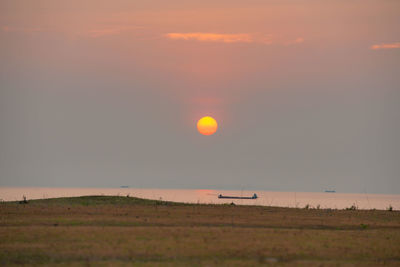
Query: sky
[{"x": 108, "y": 93}]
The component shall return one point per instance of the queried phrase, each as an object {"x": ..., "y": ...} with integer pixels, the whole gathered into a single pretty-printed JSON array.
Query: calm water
[{"x": 266, "y": 198}]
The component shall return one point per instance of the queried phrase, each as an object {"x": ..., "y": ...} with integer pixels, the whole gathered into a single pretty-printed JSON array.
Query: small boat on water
[
  {"x": 330, "y": 191},
  {"x": 236, "y": 197}
]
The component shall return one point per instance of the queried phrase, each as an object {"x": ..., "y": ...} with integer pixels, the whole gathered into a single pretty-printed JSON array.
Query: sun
[{"x": 207, "y": 125}]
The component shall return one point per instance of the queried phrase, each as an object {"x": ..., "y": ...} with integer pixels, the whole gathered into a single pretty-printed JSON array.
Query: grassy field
[{"x": 106, "y": 231}]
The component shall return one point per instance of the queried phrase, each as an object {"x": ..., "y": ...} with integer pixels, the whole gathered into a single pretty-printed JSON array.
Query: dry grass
[{"x": 125, "y": 231}]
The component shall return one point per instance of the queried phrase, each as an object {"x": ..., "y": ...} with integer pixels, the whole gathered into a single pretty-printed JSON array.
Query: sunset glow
[
  {"x": 211, "y": 37},
  {"x": 298, "y": 95},
  {"x": 179, "y": 115}
]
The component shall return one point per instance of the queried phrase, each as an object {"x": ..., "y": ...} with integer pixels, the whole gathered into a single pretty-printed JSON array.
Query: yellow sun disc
[{"x": 207, "y": 125}]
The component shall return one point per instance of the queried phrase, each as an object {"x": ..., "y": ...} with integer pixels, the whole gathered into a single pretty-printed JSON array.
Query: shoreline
[
  {"x": 171, "y": 203},
  {"x": 265, "y": 198}
]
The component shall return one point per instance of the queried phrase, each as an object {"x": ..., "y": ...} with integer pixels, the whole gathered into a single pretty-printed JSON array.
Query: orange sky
[{"x": 274, "y": 73}]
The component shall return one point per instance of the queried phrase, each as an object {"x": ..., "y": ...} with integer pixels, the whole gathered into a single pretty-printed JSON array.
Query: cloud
[
  {"x": 298, "y": 40},
  {"x": 212, "y": 37},
  {"x": 104, "y": 32},
  {"x": 266, "y": 39},
  {"x": 111, "y": 31},
  {"x": 21, "y": 29},
  {"x": 385, "y": 46}
]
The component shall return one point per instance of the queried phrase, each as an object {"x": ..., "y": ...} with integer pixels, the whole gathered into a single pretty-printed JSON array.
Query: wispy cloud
[
  {"x": 100, "y": 32},
  {"x": 212, "y": 37},
  {"x": 385, "y": 46},
  {"x": 104, "y": 32},
  {"x": 21, "y": 29},
  {"x": 296, "y": 41},
  {"x": 266, "y": 39}
]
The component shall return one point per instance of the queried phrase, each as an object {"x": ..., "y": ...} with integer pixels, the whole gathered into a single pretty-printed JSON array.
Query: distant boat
[
  {"x": 124, "y": 186},
  {"x": 235, "y": 197},
  {"x": 330, "y": 191}
]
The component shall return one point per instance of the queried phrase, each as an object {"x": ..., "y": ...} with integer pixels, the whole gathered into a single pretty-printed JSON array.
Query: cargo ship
[{"x": 235, "y": 197}]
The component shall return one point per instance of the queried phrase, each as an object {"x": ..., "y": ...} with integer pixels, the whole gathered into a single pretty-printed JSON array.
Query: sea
[{"x": 323, "y": 200}]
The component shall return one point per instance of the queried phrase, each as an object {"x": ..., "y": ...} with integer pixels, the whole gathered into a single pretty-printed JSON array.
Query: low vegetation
[{"x": 102, "y": 230}]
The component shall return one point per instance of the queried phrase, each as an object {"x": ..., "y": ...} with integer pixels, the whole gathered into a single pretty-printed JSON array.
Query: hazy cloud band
[{"x": 385, "y": 46}]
